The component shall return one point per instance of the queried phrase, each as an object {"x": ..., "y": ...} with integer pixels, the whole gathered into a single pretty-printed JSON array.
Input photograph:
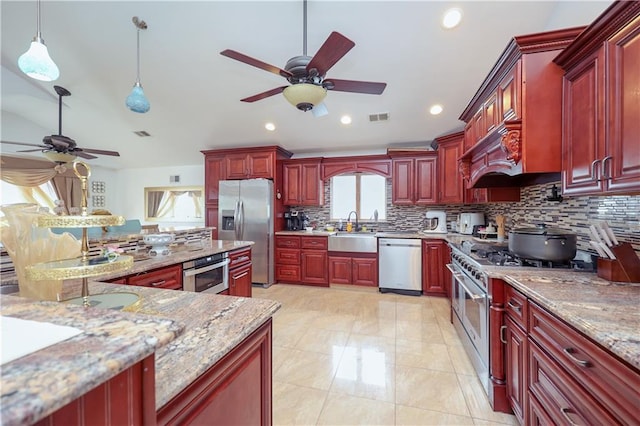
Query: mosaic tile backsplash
[{"x": 572, "y": 213}]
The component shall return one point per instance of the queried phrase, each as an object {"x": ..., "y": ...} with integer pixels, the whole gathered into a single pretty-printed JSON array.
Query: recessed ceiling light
[
  {"x": 270, "y": 127},
  {"x": 452, "y": 18},
  {"x": 435, "y": 109},
  {"x": 345, "y": 119}
]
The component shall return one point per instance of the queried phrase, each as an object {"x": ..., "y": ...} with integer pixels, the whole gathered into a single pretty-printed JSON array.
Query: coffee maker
[{"x": 294, "y": 220}]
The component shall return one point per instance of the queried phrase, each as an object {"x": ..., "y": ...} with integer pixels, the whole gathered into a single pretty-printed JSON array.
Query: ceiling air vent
[
  {"x": 142, "y": 133},
  {"x": 383, "y": 116}
]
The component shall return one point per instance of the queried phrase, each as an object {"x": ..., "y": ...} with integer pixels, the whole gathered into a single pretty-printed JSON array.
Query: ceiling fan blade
[
  {"x": 367, "y": 87},
  {"x": 263, "y": 95},
  {"x": 84, "y": 155},
  {"x": 24, "y": 144},
  {"x": 334, "y": 48},
  {"x": 255, "y": 62},
  {"x": 96, "y": 151},
  {"x": 31, "y": 150},
  {"x": 320, "y": 110}
]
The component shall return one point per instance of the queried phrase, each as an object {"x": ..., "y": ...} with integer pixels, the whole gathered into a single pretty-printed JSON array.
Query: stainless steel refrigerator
[{"x": 246, "y": 214}]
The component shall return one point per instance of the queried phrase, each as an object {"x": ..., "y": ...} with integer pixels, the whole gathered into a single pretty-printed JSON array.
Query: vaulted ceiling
[{"x": 195, "y": 92}]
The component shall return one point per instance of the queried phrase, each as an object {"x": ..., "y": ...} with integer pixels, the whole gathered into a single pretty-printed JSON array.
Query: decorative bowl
[{"x": 159, "y": 243}]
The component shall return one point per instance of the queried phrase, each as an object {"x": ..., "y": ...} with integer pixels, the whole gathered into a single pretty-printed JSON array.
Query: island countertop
[{"x": 40, "y": 383}]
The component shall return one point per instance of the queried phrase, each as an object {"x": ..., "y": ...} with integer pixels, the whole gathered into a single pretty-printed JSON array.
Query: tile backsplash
[{"x": 622, "y": 212}]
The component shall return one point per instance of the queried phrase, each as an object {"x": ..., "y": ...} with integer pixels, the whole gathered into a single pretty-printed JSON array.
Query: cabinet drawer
[
  {"x": 288, "y": 273},
  {"x": 239, "y": 257},
  {"x": 608, "y": 380},
  {"x": 315, "y": 243},
  {"x": 288, "y": 256},
  {"x": 516, "y": 306},
  {"x": 287, "y": 242},
  {"x": 167, "y": 278},
  {"x": 564, "y": 400}
]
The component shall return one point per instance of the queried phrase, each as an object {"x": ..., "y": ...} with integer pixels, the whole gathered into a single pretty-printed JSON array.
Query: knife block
[{"x": 625, "y": 268}]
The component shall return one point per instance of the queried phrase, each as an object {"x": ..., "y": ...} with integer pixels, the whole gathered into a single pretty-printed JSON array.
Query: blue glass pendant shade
[{"x": 136, "y": 101}]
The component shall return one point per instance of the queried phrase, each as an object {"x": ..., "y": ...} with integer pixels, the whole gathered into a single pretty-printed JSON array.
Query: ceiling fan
[
  {"x": 59, "y": 148},
  {"x": 307, "y": 75}
]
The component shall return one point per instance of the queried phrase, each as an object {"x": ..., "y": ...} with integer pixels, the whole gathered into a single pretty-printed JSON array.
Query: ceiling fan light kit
[
  {"x": 36, "y": 62},
  {"x": 137, "y": 101},
  {"x": 304, "y": 96}
]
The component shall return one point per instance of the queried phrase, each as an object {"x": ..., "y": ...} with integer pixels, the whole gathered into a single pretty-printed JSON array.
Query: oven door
[
  {"x": 470, "y": 303},
  {"x": 207, "y": 279}
]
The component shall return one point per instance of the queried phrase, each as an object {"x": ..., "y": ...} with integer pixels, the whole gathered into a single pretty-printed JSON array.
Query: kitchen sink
[{"x": 359, "y": 242}]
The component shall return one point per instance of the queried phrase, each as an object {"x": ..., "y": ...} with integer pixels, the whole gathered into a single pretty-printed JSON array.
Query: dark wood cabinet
[
  {"x": 450, "y": 182},
  {"x": 302, "y": 183},
  {"x": 128, "y": 398},
  {"x": 376, "y": 164},
  {"x": 515, "y": 335},
  {"x": 435, "y": 254},
  {"x": 250, "y": 165},
  {"x": 414, "y": 180},
  {"x": 169, "y": 278},
  {"x": 302, "y": 260},
  {"x": 240, "y": 268},
  {"x": 492, "y": 195},
  {"x": 235, "y": 391},
  {"x": 600, "y": 107},
  {"x": 353, "y": 268}
]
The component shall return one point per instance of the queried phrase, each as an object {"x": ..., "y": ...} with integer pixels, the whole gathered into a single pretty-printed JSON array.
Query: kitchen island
[{"x": 215, "y": 328}]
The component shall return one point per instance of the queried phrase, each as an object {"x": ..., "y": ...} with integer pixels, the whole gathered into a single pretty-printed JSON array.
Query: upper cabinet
[
  {"x": 302, "y": 185},
  {"x": 513, "y": 131},
  {"x": 250, "y": 165},
  {"x": 451, "y": 185},
  {"x": 415, "y": 179},
  {"x": 601, "y": 105}
]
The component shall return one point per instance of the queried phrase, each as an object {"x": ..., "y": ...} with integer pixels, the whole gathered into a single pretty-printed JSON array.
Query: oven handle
[
  {"x": 457, "y": 274},
  {"x": 192, "y": 272}
]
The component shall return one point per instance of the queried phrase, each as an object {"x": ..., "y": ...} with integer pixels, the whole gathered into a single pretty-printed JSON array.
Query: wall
[{"x": 575, "y": 213}]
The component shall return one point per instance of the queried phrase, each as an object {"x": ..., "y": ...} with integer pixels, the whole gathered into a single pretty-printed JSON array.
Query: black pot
[{"x": 542, "y": 243}]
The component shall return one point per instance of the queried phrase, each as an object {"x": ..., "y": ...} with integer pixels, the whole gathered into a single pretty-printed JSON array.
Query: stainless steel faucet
[{"x": 349, "y": 218}]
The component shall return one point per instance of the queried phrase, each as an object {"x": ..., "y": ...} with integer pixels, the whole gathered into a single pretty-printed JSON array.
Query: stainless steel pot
[{"x": 542, "y": 243}]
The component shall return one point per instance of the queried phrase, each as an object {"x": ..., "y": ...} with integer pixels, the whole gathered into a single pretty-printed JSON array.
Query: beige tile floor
[{"x": 349, "y": 355}]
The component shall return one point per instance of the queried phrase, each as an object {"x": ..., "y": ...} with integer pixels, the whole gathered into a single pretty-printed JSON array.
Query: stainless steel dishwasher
[{"x": 400, "y": 266}]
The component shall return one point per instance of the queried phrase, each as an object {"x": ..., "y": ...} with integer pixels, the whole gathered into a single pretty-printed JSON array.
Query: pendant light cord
[
  {"x": 138, "y": 58},
  {"x": 38, "y": 36},
  {"x": 304, "y": 28}
]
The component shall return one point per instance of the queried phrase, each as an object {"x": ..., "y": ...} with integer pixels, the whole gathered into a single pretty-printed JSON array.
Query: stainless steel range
[{"x": 470, "y": 302}]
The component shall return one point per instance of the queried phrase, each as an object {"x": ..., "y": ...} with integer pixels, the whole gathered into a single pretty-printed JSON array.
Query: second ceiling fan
[{"x": 307, "y": 74}]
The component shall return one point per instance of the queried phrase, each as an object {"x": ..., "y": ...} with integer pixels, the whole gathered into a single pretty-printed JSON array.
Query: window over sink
[{"x": 363, "y": 193}]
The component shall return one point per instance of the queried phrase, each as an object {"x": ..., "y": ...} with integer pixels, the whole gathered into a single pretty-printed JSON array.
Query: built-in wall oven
[
  {"x": 470, "y": 303},
  {"x": 209, "y": 274}
]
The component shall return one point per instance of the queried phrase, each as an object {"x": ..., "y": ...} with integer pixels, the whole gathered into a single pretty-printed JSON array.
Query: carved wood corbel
[
  {"x": 464, "y": 167},
  {"x": 511, "y": 143}
]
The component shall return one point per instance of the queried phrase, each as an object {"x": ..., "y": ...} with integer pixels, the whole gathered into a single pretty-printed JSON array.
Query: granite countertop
[
  {"x": 40, "y": 383},
  {"x": 379, "y": 234}
]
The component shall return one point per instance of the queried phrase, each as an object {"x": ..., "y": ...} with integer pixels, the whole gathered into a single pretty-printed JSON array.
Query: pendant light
[
  {"x": 36, "y": 62},
  {"x": 136, "y": 101}
]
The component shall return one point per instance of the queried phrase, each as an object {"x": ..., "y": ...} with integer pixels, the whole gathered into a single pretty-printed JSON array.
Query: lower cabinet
[
  {"x": 169, "y": 278},
  {"x": 516, "y": 340},
  {"x": 302, "y": 260},
  {"x": 435, "y": 279},
  {"x": 240, "y": 269},
  {"x": 351, "y": 268},
  {"x": 128, "y": 398},
  {"x": 234, "y": 391}
]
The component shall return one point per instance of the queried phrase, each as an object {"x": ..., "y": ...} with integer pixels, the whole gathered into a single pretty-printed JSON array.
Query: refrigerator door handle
[
  {"x": 236, "y": 220},
  {"x": 241, "y": 218}
]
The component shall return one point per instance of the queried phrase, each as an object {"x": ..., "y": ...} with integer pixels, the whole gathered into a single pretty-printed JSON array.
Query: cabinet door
[
  {"x": 314, "y": 268},
  {"x": 213, "y": 172},
  {"x": 311, "y": 184},
  {"x": 426, "y": 181},
  {"x": 478, "y": 125},
  {"x": 515, "y": 368},
  {"x": 288, "y": 273},
  {"x": 212, "y": 219},
  {"x": 340, "y": 270},
  {"x": 364, "y": 271},
  {"x": 491, "y": 118},
  {"x": 623, "y": 92},
  {"x": 433, "y": 264},
  {"x": 236, "y": 166},
  {"x": 451, "y": 184},
  {"x": 291, "y": 183},
  {"x": 402, "y": 191},
  {"x": 240, "y": 281},
  {"x": 509, "y": 95},
  {"x": 469, "y": 139},
  {"x": 260, "y": 165},
  {"x": 583, "y": 128},
  {"x": 167, "y": 278}
]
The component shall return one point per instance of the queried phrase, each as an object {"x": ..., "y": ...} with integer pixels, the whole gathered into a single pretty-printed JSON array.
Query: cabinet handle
[
  {"x": 502, "y": 331},
  {"x": 237, "y": 277},
  {"x": 515, "y": 307},
  {"x": 565, "y": 413},
  {"x": 158, "y": 283},
  {"x": 594, "y": 176},
  {"x": 605, "y": 170},
  {"x": 242, "y": 259},
  {"x": 580, "y": 362}
]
